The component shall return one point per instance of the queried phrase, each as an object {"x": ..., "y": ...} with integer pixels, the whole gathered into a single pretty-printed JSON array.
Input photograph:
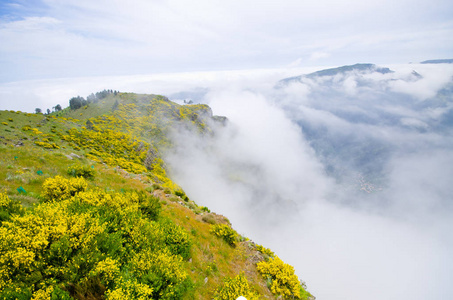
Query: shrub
[
  {"x": 225, "y": 232},
  {"x": 180, "y": 193},
  {"x": 150, "y": 206},
  {"x": 176, "y": 238},
  {"x": 81, "y": 171},
  {"x": 281, "y": 278},
  {"x": 60, "y": 188},
  {"x": 97, "y": 244},
  {"x": 163, "y": 272},
  {"x": 209, "y": 218},
  {"x": 235, "y": 287},
  {"x": 8, "y": 207},
  {"x": 266, "y": 251},
  {"x": 130, "y": 289},
  {"x": 47, "y": 145}
]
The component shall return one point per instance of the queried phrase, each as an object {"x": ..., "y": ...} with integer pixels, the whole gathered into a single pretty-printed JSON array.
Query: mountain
[
  {"x": 356, "y": 118},
  {"x": 358, "y": 68},
  {"x": 88, "y": 210},
  {"x": 438, "y": 61}
]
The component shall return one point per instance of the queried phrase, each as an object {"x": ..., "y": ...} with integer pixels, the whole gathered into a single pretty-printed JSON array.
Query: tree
[
  {"x": 38, "y": 110},
  {"x": 92, "y": 98},
  {"x": 58, "y": 107},
  {"x": 77, "y": 102},
  {"x": 48, "y": 111}
]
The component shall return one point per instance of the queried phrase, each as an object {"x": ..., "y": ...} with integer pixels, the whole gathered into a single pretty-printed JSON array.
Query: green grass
[{"x": 25, "y": 164}]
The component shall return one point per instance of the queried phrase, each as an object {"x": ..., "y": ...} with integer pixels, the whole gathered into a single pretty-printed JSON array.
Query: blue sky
[{"x": 79, "y": 38}]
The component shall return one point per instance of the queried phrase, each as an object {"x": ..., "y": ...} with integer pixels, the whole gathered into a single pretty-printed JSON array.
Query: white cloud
[
  {"x": 346, "y": 244},
  {"x": 109, "y": 37},
  {"x": 434, "y": 78},
  {"x": 318, "y": 55}
]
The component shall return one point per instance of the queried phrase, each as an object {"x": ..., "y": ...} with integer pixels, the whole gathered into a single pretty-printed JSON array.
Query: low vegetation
[{"x": 88, "y": 210}]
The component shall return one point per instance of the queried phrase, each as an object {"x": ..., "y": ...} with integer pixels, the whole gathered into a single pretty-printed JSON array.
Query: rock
[{"x": 75, "y": 155}]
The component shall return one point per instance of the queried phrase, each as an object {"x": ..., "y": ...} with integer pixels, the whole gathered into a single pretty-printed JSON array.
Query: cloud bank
[{"x": 345, "y": 177}]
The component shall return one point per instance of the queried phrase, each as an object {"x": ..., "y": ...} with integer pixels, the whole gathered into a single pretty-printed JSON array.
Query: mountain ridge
[{"x": 105, "y": 159}]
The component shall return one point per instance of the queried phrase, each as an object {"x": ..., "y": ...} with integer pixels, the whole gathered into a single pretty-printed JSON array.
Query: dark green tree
[{"x": 77, "y": 102}]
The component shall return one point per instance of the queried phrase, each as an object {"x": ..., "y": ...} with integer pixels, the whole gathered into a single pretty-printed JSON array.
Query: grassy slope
[{"x": 212, "y": 259}]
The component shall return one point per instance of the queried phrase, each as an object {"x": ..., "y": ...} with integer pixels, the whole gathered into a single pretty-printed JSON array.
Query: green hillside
[{"x": 88, "y": 211}]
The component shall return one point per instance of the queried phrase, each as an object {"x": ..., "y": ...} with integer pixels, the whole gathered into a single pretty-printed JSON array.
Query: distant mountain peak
[
  {"x": 360, "y": 68},
  {"x": 438, "y": 61},
  {"x": 344, "y": 69}
]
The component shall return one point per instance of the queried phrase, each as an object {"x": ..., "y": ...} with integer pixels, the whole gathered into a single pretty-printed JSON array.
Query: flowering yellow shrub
[
  {"x": 90, "y": 240},
  {"x": 165, "y": 267},
  {"x": 108, "y": 270},
  {"x": 235, "y": 287},
  {"x": 226, "y": 232},
  {"x": 4, "y": 200},
  {"x": 60, "y": 188},
  {"x": 8, "y": 207},
  {"x": 114, "y": 147},
  {"x": 47, "y": 145},
  {"x": 36, "y": 247},
  {"x": 43, "y": 294},
  {"x": 130, "y": 290},
  {"x": 265, "y": 251},
  {"x": 36, "y": 131},
  {"x": 283, "y": 281},
  {"x": 79, "y": 170}
]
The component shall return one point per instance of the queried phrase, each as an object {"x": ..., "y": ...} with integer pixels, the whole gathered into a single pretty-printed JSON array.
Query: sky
[{"x": 83, "y": 38}]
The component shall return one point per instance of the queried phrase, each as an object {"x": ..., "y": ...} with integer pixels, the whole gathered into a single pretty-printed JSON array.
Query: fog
[{"x": 346, "y": 177}]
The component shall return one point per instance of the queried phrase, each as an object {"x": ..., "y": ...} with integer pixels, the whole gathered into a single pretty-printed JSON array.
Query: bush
[
  {"x": 96, "y": 245},
  {"x": 81, "y": 171},
  {"x": 281, "y": 278},
  {"x": 226, "y": 232},
  {"x": 176, "y": 238},
  {"x": 235, "y": 287},
  {"x": 266, "y": 251},
  {"x": 209, "y": 218},
  {"x": 47, "y": 145},
  {"x": 60, "y": 188},
  {"x": 150, "y": 206},
  {"x": 180, "y": 193},
  {"x": 8, "y": 207}
]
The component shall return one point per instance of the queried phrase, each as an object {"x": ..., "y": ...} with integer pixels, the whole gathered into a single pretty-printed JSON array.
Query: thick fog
[{"x": 347, "y": 175}]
